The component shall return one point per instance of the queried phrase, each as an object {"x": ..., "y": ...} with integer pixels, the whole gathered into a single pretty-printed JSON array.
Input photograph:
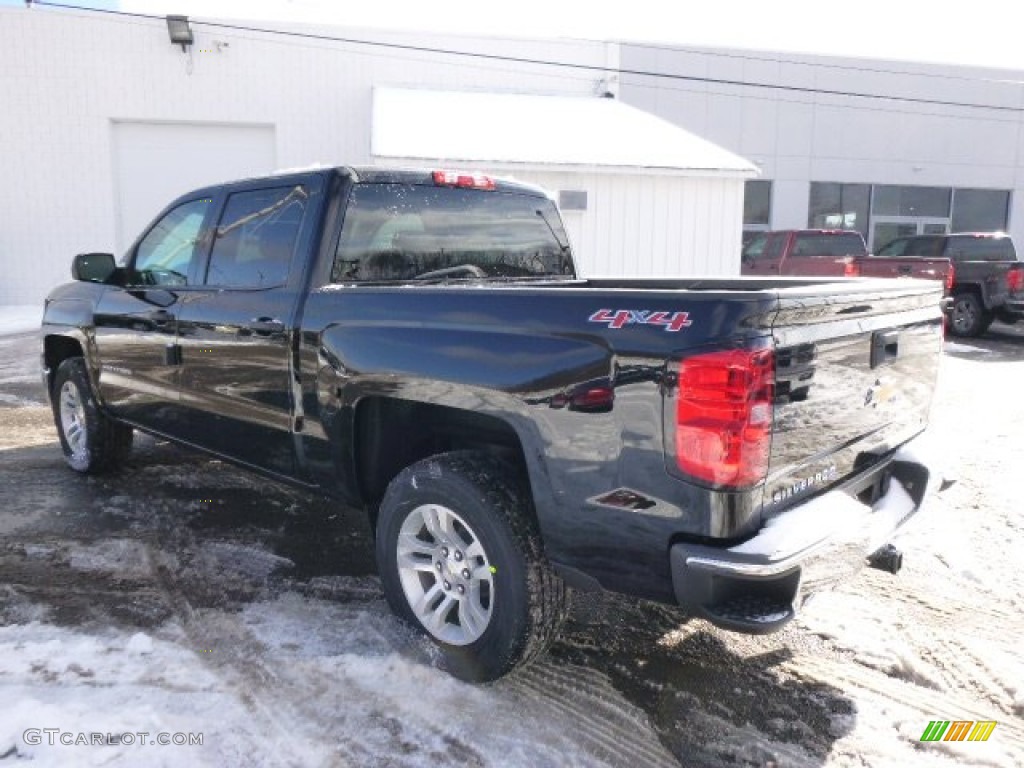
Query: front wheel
[
  {"x": 90, "y": 440},
  {"x": 461, "y": 559}
]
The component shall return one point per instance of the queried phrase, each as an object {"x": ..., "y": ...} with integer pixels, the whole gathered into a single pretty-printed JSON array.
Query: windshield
[{"x": 412, "y": 232}]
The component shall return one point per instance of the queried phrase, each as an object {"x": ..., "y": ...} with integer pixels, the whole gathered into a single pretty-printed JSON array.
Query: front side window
[
  {"x": 895, "y": 248},
  {"x": 166, "y": 253},
  {"x": 754, "y": 247},
  {"x": 413, "y": 232},
  {"x": 255, "y": 238}
]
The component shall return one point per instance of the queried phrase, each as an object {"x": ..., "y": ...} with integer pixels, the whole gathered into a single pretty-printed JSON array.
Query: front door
[
  {"x": 236, "y": 332},
  {"x": 885, "y": 229},
  {"x": 136, "y": 325}
]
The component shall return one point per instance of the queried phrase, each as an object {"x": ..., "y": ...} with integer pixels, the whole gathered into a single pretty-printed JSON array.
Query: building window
[
  {"x": 917, "y": 202},
  {"x": 572, "y": 199},
  {"x": 839, "y": 206},
  {"x": 757, "y": 205},
  {"x": 757, "y": 208},
  {"x": 980, "y": 210}
]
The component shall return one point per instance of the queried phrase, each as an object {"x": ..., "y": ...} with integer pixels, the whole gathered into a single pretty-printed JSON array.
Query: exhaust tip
[{"x": 888, "y": 559}]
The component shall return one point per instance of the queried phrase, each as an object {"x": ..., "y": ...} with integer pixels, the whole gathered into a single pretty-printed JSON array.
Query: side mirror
[{"x": 93, "y": 267}]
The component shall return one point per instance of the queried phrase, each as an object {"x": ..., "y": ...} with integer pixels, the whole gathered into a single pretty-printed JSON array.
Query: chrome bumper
[{"x": 757, "y": 586}]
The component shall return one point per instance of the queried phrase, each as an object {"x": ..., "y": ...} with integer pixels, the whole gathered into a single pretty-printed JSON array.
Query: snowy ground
[{"x": 181, "y": 596}]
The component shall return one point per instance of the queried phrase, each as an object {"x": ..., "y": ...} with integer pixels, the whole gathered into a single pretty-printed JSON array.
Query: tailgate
[
  {"x": 855, "y": 374},
  {"x": 927, "y": 269}
]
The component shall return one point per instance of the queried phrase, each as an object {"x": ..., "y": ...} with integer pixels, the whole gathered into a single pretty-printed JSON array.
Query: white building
[
  {"x": 105, "y": 121},
  {"x": 887, "y": 148}
]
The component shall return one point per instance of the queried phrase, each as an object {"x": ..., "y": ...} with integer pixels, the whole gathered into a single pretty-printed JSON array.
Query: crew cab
[
  {"x": 987, "y": 279},
  {"x": 837, "y": 252},
  {"x": 418, "y": 344}
]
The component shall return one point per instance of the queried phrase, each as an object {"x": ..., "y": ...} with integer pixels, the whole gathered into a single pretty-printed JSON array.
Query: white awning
[{"x": 521, "y": 129}]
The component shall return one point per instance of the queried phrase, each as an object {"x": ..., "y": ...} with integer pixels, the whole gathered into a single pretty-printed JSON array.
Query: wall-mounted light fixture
[{"x": 180, "y": 31}]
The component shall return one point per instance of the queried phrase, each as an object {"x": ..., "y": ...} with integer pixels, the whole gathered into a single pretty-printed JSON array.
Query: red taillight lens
[
  {"x": 463, "y": 179},
  {"x": 851, "y": 269},
  {"x": 950, "y": 278},
  {"x": 724, "y": 416},
  {"x": 1015, "y": 278}
]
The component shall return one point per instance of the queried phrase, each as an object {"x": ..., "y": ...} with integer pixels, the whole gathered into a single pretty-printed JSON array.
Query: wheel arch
[
  {"x": 392, "y": 433},
  {"x": 56, "y": 349}
]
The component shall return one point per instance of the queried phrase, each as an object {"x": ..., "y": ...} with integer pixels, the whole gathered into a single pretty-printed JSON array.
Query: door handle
[
  {"x": 905, "y": 270},
  {"x": 161, "y": 317},
  {"x": 265, "y": 325}
]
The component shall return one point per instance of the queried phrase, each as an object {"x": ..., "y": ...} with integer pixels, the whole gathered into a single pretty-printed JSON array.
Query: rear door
[
  {"x": 136, "y": 325},
  {"x": 822, "y": 253},
  {"x": 237, "y": 331}
]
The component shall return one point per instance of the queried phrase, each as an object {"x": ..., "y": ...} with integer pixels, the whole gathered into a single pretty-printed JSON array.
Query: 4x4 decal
[{"x": 618, "y": 318}]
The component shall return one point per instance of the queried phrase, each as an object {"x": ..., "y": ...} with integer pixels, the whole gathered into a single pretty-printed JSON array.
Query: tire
[
  {"x": 91, "y": 441},
  {"x": 464, "y": 514},
  {"x": 968, "y": 318}
]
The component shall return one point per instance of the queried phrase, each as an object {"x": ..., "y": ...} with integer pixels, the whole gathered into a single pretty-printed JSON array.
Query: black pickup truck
[
  {"x": 418, "y": 344},
  {"x": 986, "y": 280}
]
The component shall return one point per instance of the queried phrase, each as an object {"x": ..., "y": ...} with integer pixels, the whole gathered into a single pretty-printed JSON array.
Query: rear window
[
  {"x": 980, "y": 249},
  {"x": 829, "y": 245},
  {"x": 409, "y": 232}
]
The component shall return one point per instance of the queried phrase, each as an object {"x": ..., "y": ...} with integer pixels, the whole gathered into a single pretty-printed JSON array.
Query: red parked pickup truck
[{"x": 818, "y": 252}]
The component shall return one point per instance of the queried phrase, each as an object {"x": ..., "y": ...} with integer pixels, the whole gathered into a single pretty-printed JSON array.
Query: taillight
[
  {"x": 724, "y": 416},
  {"x": 463, "y": 179},
  {"x": 950, "y": 278},
  {"x": 1015, "y": 278},
  {"x": 852, "y": 269}
]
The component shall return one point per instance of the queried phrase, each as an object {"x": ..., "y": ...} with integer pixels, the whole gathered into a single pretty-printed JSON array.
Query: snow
[
  {"x": 341, "y": 680},
  {"x": 523, "y": 128},
  {"x": 20, "y": 318}
]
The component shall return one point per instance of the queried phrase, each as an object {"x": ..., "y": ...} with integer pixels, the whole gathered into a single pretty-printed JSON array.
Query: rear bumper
[
  {"x": 1013, "y": 308},
  {"x": 759, "y": 585}
]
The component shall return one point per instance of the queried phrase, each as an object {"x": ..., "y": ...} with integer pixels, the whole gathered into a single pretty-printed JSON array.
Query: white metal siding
[
  {"x": 64, "y": 76},
  {"x": 652, "y": 225},
  {"x": 156, "y": 162},
  {"x": 797, "y": 137}
]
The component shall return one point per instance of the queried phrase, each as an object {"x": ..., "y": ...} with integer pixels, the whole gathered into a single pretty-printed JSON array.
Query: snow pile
[{"x": 20, "y": 318}]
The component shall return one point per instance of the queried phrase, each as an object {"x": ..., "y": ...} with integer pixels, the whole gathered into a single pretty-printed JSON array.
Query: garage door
[{"x": 156, "y": 162}]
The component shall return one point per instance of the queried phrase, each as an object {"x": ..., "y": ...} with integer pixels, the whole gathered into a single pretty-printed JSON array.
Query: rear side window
[
  {"x": 981, "y": 249},
  {"x": 166, "y": 253},
  {"x": 408, "y": 232},
  {"x": 255, "y": 239},
  {"x": 828, "y": 246}
]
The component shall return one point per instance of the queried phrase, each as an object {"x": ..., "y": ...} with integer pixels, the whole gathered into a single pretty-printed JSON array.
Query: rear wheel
[
  {"x": 968, "y": 318},
  {"x": 90, "y": 440},
  {"x": 460, "y": 559}
]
